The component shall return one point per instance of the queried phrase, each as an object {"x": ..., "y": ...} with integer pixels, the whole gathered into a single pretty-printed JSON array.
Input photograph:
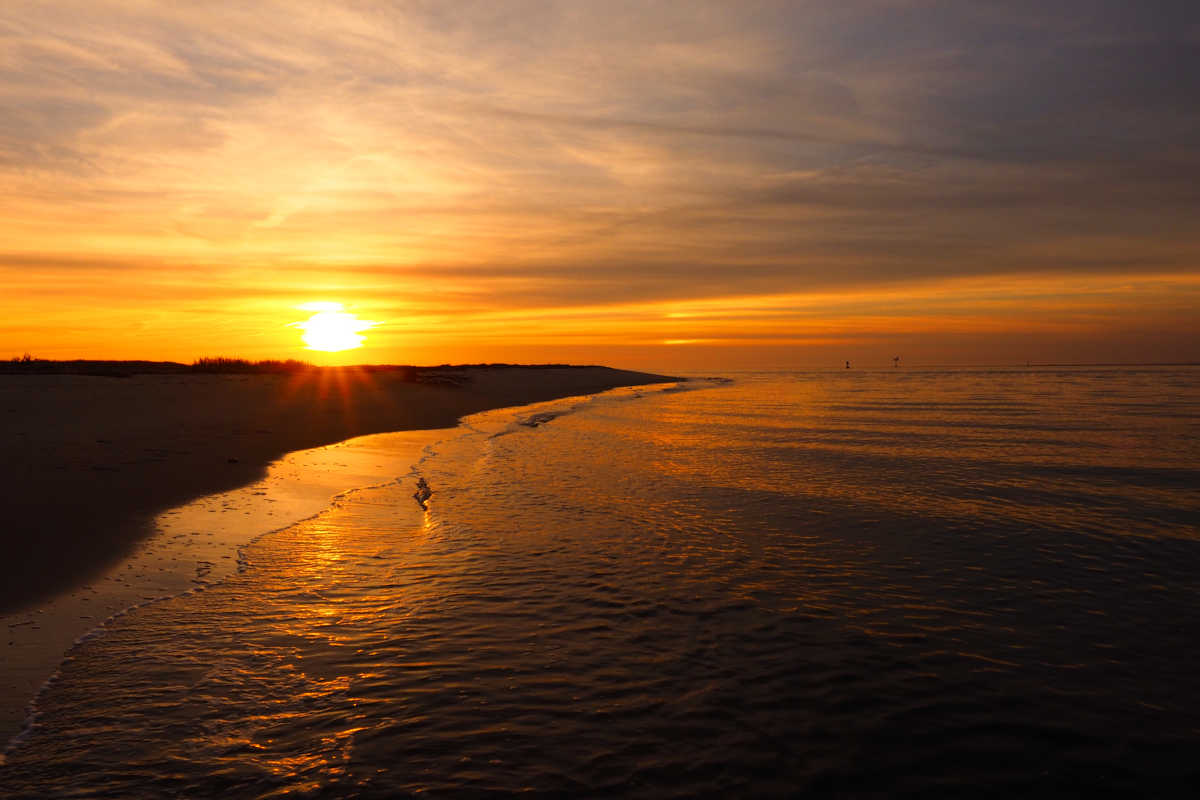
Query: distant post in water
[{"x": 895, "y": 361}]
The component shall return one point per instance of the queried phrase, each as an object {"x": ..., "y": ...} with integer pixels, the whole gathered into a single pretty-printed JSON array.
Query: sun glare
[{"x": 331, "y": 328}]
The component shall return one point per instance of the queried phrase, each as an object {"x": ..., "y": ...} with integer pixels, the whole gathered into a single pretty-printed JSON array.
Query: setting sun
[{"x": 331, "y": 328}]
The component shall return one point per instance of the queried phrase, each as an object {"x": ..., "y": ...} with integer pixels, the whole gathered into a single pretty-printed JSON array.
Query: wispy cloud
[{"x": 540, "y": 155}]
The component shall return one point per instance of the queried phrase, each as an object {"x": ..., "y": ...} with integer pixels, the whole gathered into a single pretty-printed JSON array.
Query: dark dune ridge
[{"x": 90, "y": 459}]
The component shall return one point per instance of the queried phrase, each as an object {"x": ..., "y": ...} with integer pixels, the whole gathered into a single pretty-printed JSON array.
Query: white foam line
[{"x": 617, "y": 395}]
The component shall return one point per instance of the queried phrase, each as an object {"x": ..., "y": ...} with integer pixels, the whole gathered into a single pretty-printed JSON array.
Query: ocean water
[{"x": 845, "y": 584}]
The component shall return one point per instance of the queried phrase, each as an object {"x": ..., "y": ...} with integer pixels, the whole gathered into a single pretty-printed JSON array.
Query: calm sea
[{"x": 846, "y": 584}]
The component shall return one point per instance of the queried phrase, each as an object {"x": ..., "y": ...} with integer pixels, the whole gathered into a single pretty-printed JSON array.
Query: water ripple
[{"x": 674, "y": 595}]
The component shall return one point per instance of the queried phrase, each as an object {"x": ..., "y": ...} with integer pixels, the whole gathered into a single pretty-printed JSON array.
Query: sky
[{"x": 652, "y": 185}]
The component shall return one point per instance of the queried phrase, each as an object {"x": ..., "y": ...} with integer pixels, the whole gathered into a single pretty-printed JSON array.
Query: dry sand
[{"x": 88, "y": 462}]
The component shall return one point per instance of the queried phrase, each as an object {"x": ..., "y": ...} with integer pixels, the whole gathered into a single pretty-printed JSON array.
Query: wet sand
[{"x": 88, "y": 462}]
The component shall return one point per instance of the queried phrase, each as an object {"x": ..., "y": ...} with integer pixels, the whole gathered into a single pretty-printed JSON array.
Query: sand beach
[
  {"x": 88, "y": 460},
  {"x": 142, "y": 482}
]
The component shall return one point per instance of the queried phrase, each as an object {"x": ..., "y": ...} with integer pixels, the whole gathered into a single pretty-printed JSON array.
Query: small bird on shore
[{"x": 422, "y": 493}]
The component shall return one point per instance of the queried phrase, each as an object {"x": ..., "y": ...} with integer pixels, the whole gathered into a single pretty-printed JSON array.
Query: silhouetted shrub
[{"x": 221, "y": 365}]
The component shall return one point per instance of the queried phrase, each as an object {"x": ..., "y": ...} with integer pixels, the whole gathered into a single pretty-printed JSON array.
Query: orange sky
[{"x": 658, "y": 187}]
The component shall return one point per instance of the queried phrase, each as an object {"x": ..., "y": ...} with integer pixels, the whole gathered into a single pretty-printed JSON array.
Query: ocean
[{"x": 892, "y": 583}]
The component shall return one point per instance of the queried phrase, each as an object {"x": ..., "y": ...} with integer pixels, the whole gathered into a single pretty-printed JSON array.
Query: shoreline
[
  {"x": 89, "y": 462},
  {"x": 183, "y": 549},
  {"x": 193, "y": 546}
]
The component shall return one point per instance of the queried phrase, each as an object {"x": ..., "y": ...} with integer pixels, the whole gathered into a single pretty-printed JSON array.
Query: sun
[{"x": 331, "y": 328}]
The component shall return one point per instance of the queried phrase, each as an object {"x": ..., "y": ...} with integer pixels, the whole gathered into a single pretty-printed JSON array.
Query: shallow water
[
  {"x": 848, "y": 584},
  {"x": 194, "y": 545}
]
